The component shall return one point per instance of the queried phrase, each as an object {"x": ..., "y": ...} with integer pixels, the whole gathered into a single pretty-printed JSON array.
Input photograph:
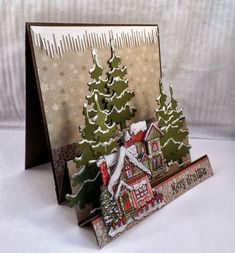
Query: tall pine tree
[
  {"x": 97, "y": 140},
  {"x": 120, "y": 111},
  {"x": 171, "y": 122}
]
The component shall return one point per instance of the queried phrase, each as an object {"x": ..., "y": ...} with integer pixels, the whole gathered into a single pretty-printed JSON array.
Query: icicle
[{"x": 56, "y": 40}]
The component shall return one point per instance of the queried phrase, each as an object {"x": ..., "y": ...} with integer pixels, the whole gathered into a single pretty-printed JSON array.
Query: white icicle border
[{"x": 56, "y": 40}]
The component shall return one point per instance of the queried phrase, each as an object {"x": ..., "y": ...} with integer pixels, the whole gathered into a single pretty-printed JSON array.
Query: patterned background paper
[{"x": 64, "y": 80}]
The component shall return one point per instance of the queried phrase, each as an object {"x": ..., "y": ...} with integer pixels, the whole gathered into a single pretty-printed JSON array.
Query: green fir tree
[
  {"x": 98, "y": 85},
  {"x": 120, "y": 110},
  {"x": 97, "y": 140},
  {"x": 171, "y": 122}
]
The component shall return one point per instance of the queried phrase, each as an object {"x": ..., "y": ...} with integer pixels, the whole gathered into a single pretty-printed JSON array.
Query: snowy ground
[{"x": 140, "y": 216}]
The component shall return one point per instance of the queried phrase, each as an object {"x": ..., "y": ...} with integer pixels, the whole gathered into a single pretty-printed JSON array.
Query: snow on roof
[
  {"x": 109, "y": 159},
  {"x": 126, "y": 136},
  {"x": 133, "y": 150},
  {"x": 136, "y": 127},
  {"x": 119, "y": 166}
]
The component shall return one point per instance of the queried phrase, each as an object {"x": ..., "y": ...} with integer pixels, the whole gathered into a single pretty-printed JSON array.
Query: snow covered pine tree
[
  {"x": 97, "y": 140},
  {"x": 120, "y": 111},
  {"x": 98, "y": 85},
  {"x": 109, "y": 208},
  {"x": 171, "y": 122},
  {"x": 104, "y": 134}
]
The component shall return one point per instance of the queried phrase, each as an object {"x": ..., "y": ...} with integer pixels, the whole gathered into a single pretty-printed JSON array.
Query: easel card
[
  {"x": 58, "y": 59},
  {"x": 96, "y": 101}
]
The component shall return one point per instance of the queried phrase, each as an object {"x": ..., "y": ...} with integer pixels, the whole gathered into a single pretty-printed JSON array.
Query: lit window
[
  {"x": 159, "y": 160},
  {"x": 154, "y": 146},
  {"x": 142, "y": 149},
  {"x": 128, "y": 171}
]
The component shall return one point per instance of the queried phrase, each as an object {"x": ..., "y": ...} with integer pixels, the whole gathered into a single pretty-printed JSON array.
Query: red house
[
  {"x": 130, "y": 184},
  {"x": 126, "y": 174}
]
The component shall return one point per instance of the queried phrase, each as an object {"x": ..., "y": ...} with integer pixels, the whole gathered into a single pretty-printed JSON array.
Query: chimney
[{"x": 104, "y": 171}]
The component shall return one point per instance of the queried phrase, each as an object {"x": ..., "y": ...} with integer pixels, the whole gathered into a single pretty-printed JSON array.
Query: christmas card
[{"x": 116, "y": 135}]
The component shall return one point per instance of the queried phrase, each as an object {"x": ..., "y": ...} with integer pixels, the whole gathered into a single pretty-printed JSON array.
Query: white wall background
[{"x": 197, "y": 50}]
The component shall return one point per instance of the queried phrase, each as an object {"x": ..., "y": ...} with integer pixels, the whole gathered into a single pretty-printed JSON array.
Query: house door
[{"x": 126, "y": 204}]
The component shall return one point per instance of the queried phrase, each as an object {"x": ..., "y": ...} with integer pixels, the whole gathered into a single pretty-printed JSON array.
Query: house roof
[
  {"x": 126, "y": 135},
  {"x": 152, "y": 125},
  {"x": 109, "y": 159},
  {"x": 133, "y": 150},
  {"x": 136, "y": 127},
  {"x": 123, "y": 152},
  {"x": 144, "y": 156}
]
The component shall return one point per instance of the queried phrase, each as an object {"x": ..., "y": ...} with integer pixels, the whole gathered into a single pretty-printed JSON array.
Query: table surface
[{"x": 201, "y": 220}]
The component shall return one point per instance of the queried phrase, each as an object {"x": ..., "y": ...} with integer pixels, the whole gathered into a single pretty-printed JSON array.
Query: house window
[
  {"x": 146, "y": 164},
  {"x": 154, "y": 146},
  {"x": 154, "y": 162},
  {"x": 142, "y": 149},
  {"x": 159, "y": 161},
  {"x": 141, "y": 192},
  {"x": 128, "y": 171}
]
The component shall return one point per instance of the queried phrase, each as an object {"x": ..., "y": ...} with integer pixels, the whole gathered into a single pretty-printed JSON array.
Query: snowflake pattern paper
[{"x": 63, "y": 58}]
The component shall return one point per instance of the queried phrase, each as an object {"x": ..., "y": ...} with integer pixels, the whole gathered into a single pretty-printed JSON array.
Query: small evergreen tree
[
  {"x": 120, "y": 111},
  {"x": 109, "y": 208},
  {"x": 171, "y": 122}
]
